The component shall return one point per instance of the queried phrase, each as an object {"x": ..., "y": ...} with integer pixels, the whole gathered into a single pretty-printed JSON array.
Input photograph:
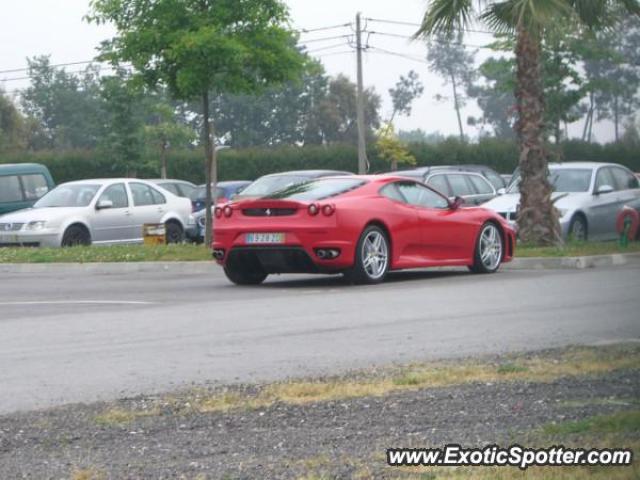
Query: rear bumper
[{"x": 299, "y": 253}]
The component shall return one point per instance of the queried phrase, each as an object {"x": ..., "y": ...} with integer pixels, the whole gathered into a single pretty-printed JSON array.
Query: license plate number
[{"x": 264, "y": 238}]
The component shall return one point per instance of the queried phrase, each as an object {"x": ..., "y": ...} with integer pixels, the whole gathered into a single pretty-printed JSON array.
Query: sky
[{"x": 57, "y": 28}]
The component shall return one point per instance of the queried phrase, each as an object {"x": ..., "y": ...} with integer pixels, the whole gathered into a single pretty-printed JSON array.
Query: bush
[{"x": 251, "y": 163}]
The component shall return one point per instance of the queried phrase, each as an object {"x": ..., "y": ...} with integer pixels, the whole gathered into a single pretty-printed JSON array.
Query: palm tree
[{"x": 527, "y": 19}]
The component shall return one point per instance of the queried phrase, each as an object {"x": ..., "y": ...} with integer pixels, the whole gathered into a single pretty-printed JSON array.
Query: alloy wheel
[
  {"x": 490, "y": 247},
  {"x": 375, "y": 254}
]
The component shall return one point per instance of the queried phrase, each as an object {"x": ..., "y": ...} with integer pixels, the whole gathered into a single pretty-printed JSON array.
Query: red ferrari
[{"x": 361, "y": 226}]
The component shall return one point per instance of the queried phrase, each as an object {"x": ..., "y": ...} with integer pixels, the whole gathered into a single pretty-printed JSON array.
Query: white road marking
[{"x": 79, "y": 302}]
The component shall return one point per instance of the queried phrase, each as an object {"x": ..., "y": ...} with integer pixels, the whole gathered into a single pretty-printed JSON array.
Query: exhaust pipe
[
  {"x": 321, "y": 254},
  {"x": 218, "y": 254}
]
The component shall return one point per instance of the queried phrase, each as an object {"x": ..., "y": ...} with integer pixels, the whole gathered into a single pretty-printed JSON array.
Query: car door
[
  {"x": 483, "y": 189},
  {"x": 601, "y": 216},
  {"x": 149, "y": 206},
  {"x": 407, "y": 231},
  {"x": 461, "y": 187},
  {"x": 444, "y": 233},
  {"x": 114, "y": 224}
]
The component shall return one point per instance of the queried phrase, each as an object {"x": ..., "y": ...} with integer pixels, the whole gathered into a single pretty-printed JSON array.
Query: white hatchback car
[
  {"x": 101, "y": 212},
  {"x": 588, "y": 195}
]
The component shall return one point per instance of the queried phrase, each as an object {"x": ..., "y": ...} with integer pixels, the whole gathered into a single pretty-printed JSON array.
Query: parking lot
[{"x": 78, "y": 337}]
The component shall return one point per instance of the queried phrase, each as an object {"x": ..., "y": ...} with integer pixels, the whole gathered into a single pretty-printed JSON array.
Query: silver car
[
  {"x": 588, "y": 196},
  {"x": 97, "y": 212}
]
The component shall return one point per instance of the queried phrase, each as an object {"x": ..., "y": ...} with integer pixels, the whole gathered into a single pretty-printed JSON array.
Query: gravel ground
[{"x": 285, "y": 441}]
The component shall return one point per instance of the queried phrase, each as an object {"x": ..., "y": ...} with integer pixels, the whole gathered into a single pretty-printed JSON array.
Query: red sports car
[{"x": 361, "y": 226}]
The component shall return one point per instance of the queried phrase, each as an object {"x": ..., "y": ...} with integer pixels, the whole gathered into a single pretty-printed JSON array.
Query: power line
[
  {"x": 17, "y": 70},
  {"x": 329, "y": 47},
  {"x": 411, "y": 24},
  {"x": 395, "y": 35},
  {"x": 334, "y": 53},
  {"x": 325, "y": 39},
  {"x": 396, "y": 54},
  {"x": 321, "y": 29}
]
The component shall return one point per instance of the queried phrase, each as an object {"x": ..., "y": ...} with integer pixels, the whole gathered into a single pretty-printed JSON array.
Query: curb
[
  {"x": 573, "y": 263},
  {"x": 199, "y": 267}
]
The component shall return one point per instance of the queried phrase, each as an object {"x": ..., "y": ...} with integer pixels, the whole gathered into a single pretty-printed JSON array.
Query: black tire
[
  {"x": 241, "y": 277},
  {"x": 174, "y": 233},
  {"x": 363, "y": 274},
  {"x": 75, "y": 236},
  {"x": 489, "y": 264},
  {"x": 578, "y": 229}
]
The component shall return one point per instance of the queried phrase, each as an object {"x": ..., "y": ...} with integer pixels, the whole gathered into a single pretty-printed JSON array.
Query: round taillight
[
  {"x": 228, "y": 211},
  {"x": 218, "y": 212},
  {"x": 314, "y": 209},
  {"x": 328, "y": 210}
]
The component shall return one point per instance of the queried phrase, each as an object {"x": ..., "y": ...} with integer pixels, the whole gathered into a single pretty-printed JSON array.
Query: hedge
[{"x": 251, "y": 163}]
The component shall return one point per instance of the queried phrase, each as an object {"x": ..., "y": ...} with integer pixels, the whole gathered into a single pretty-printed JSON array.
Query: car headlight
[
  {"x": 191, "y": 220},
  {"x": 36, "y": 225}
]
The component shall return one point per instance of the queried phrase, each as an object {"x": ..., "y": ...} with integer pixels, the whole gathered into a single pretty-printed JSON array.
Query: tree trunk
[
  {"x": 537, "y": 217},
  {"x": 210, "y": 167},
  {"x": 456, "y": 104},
  {"x": 616, "y": 117},
  {"x": 589, "y": 117},
  {"x": 163, "y": 161},
  {"x": 394, "y": 165}
]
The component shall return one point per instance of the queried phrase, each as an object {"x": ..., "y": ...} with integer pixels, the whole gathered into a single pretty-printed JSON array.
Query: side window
[
  {"x": 186, "y": 190},
  {"x": 35, "y": 186},
  {"x": 604, "y": 177},
  {"x": 141, "y": 194},
  {"x": 481, "y": 186},
  {"x": 158, "y": 198},
  {"x": 624, "y": 180},
  {"x": 496, "y": 180},
  {"x": 421, "y": 196},
  {"x": 117, "y": 194},
  {"x": 171, "y": 187},
  {"x": 459, "y": 185},
  {"x": 10, "y": 190},
  {"x": 439, "y": 182},
  {"x": 391, "y": 191}
]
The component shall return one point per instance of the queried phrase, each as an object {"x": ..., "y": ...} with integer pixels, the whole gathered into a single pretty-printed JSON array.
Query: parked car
[
  {"x": 97, "y": 212},
  {"x": 506, "y": 178},
  {"x": 181, "y": 188},
  {"x": 22, "y": 184},
  {"x": 474, "y": 188},
  {"x": 361, "y": 226},
  {"x": 588, "y": 196},
  {"x": 224, "y": 192},
  {"x": 274, "y": 182},
  {"x": 487, "y": 172}
]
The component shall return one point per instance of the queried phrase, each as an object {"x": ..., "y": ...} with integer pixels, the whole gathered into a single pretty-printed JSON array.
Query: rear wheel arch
[{"x": 383, "y": 226}]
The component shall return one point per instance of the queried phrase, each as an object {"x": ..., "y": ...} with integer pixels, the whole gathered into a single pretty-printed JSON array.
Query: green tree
[
  {"x": 406, "y": 91},
  {"x": 13, "y": 129},
  {"x": 67, "y": 107},
  {"x": 448, "y": 57},
  {"x": 200, "y": 48},
  {"x": 537, "y": 218},
  {"x": 391, "y": 149},
  {"x": 163, "y": 130},
  {"x": 333, "y": 119}
]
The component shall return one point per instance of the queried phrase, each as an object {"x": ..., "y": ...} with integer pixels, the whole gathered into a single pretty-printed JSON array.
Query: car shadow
[{"x": 289, "y": 281}]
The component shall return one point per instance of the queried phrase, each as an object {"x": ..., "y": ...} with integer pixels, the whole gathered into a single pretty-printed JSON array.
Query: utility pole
[{"x": 363, "y": 163}]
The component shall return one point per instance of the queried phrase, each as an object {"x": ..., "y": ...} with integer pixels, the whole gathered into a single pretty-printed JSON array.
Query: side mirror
[
  {"x": 602, "y": 189},
  {"x": 456, "y": 203},
  {"x": 104, "y": 204},
  {"x": 501, "y": 191}
]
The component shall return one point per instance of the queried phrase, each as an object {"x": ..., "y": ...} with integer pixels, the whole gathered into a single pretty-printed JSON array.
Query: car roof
[
  {"x": 19, "y": 168},
  {"x": 105, "y": 181},
  {"x": 168, "y": 180},
  {"x": 310, "y": 173},
  {"x": 561, "y": 165}
]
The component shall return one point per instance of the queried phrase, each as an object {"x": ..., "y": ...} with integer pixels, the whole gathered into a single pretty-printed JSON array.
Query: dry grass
[
  {"x": 538, "y": 368},
  {"x": 87, "y": 474}
]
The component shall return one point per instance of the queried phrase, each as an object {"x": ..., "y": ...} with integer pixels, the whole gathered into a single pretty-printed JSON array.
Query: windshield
[
  {"x": 566, "y": 180},
  {"x": 73, "y": 195},
  {"x": 270, "y": 184},
  {"x": 318, "y": 189}
]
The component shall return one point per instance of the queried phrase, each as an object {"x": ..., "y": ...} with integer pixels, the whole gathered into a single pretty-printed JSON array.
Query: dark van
[{"x": 21, "y": 184}]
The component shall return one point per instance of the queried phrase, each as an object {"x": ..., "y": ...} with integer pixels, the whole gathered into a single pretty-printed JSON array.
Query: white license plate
[
  {"x": 6, "y": 238},
  {"x": 264, "y": 238}
]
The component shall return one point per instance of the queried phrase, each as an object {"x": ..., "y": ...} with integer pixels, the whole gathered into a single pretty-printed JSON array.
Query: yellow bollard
[{"x": 154, "y": 234}]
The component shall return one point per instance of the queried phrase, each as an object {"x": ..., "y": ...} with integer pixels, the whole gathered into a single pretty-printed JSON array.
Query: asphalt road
[{"x": 80, "y": 337}]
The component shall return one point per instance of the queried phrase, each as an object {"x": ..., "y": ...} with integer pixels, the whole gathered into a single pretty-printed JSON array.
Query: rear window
[
  {"x": 10, "y": 190},
  {"x": 319, "y": 189},
  {"x": 271, "y": 184}
]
